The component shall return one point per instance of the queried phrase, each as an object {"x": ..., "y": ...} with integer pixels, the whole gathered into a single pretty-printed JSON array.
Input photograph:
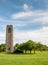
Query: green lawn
[{"x": 40, "y": 58}]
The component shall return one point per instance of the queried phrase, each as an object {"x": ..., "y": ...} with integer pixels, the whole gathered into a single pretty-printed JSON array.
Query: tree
[
  {"x": 2, "y": 47},
  {"x": 41, "y": 47},
  {"x": 44, "y": 48},
  {"x": 16, "y": 46},
  {"x": 23, "y": 47},
  {"x": 47, "y": 48},
  {"x": 31, "y": 45}
]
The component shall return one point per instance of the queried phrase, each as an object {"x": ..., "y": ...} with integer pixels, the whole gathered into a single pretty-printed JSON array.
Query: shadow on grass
[{"x": 20, "y": 53}]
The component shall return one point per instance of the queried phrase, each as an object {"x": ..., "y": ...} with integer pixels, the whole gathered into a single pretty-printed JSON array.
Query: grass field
[{"x": 40, "y": 58}]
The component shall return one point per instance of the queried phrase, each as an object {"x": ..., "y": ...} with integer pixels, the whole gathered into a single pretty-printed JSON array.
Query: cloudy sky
[{"x": 28, "y": 17}]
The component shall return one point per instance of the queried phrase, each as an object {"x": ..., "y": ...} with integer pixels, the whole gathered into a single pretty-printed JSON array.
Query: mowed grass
[{"x": 40, "y": 58}]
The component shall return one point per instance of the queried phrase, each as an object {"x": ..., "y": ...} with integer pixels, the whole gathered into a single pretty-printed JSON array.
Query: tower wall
[{"x": 9, "y": 38}]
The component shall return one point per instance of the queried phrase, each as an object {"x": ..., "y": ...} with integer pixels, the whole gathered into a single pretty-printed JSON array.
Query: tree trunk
[
  {"x": 25, "y": 51},
  {"x": 30, "y": 51},
  {"x": 34, "y": 51}
]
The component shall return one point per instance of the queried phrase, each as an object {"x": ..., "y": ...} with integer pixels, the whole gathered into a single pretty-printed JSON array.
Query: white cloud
[
  {"x": 43, "y": 19},
  {"x": 19, "y": 25},
  {"x": 2, "y": 37},
  {"x": 26, "y": 7},
  {"x": 1, "y": 19},
  {"x": 37, "y": 35},
  {"x": 40, "y": 35},
  {"x": 33, "y": 16},
  {"x": 21, "y": 15},
  {"x": 28, "y": 16}
]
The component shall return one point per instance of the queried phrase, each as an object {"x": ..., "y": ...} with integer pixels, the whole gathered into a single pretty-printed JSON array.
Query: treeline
[
  {"x": 26, "y": 47},
  {"x": 30, "y": 46},
  {"x": 2, "y": 47}
]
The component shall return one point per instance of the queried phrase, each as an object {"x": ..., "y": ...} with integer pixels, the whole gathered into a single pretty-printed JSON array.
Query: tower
[{"x": 9, "y": 38}]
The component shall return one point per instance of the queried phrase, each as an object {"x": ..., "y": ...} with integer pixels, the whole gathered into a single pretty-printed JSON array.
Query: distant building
[{"x": 9, "y": 38}]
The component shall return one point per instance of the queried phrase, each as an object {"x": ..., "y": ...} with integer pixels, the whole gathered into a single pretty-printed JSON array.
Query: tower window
[{"x": 9, "y": 30}]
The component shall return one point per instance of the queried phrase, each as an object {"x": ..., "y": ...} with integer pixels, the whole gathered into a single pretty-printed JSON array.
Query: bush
[{"x": 18, "y": 51}]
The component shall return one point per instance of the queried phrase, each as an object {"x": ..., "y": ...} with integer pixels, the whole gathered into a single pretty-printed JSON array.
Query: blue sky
[{"x": 28, "y": 17}]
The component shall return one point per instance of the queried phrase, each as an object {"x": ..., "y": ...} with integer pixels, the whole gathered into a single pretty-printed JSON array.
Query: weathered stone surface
[{"x": 9, "y": 38}]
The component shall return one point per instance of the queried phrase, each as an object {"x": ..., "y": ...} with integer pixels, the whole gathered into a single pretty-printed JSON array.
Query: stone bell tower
[{"x": 9, "y": 38}]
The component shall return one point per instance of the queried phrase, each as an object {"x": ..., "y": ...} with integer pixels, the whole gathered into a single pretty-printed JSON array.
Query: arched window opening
[{"x": 9, "y": 30}]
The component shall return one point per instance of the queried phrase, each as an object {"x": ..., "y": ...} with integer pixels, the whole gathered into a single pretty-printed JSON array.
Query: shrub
[{"x": 18, "y": 51}]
